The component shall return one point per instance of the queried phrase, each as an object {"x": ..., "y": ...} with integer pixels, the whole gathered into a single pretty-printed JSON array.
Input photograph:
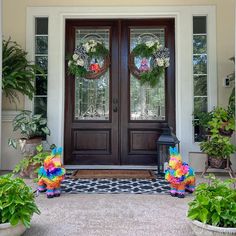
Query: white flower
[
  {"x": 75, "y": 57},
  {"x": 167, "y": 62},
  {"x": 160, "y": 62},
  {"x": 80, "y": 62},
  {"x": 149, "y": 44},
  {"x": 158, "y": 46},
  {"x": 69, "y": 63},
  {"x": 87, "y": 47},
  {"x": 92, "y": 41},
  {"x": 93, "y": 49}
]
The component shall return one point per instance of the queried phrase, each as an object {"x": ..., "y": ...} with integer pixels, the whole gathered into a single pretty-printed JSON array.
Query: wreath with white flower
[
  {"x": 84, "y": 61},
  {"x": 154, "y": 59}
]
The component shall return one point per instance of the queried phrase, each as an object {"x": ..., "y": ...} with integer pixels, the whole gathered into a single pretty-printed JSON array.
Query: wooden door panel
[
  {"x": 91, "y": 139},
  {"x": 143, "y": 141},
  {"x": 138, "y": 142}
]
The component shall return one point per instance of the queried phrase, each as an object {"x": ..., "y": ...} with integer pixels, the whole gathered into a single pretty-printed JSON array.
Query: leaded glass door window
[
  {"x": 92, "y": 95},
  {"x": 146, "y": 103},
  {"x": 114, "y": 120}
]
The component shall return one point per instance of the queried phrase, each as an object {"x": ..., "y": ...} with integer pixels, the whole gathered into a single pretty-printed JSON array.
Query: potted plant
[
  {"x": 18, "y": 74},
  {"x": 218, "y": 149},
  {"x": 222, "y": 122},
  {"x": 218, "y": 121},
  {"x": 29, "y": 165},
  {"x": 218, "y": 146},
  {"x": 32, "y": 128},
  {"x": 213, "y": 209},
  {"x": 17, "y": 205}
]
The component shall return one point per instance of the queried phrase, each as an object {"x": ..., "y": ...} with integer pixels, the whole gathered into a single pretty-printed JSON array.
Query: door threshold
[{"x": 109, "y": 167}]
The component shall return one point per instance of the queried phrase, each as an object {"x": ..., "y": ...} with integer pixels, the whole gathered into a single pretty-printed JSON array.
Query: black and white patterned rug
[{"x": 116, "y": 186}]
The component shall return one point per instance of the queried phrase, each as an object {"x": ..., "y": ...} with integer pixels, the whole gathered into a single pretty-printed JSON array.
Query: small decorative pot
[
  {"x": 201, "y": 229},
  {"x": 7, "y": 229}
]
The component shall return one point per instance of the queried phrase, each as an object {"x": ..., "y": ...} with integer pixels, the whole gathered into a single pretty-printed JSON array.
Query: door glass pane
[
  {"x": 92, "y": 95},
  {"x": 146, "y": 103}
]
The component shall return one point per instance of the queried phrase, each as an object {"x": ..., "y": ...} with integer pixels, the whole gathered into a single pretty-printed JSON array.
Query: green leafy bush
[
  {"x": 214, "y": 203},
  {"x": 17, "y": 201},
  {"x": 215, "y": 121},
  {"x": 35, "y": 161},
  {"x": 219, "y": 124},
  {"x": 18, "y": 74},
  {"x": 219, "y": 147}
]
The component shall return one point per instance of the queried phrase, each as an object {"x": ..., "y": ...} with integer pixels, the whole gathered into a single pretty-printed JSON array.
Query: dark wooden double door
[{"x": 114, "y": 120}]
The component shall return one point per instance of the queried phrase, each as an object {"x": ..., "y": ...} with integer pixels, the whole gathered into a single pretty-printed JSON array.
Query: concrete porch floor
[{"x": 111, "y": 215}]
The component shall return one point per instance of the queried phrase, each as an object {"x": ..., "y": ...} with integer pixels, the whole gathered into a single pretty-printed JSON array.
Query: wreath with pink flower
[
  {"x": 152, "y": 59},
  {"x": 90, "y": 60}
]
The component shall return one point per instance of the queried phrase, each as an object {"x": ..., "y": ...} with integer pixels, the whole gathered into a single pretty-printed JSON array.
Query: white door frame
[{"x": 183, "y": 41}]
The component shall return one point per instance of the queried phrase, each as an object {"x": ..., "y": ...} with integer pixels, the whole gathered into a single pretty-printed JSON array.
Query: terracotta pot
[
  {"x": 8, "y": 230},
  {"x": 28, "y": 146},
  {"x": 30, "y": 171},
  {"x": 201, "y": 229}
]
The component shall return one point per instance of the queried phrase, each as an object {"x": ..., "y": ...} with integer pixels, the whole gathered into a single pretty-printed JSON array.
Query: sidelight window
[
  {"x": 41, "y": 59},
  {"x": 200, "y": 72}
]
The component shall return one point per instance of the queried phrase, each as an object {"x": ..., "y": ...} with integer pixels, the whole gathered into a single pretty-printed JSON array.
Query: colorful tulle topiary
[{"x": 180, "y": 175}]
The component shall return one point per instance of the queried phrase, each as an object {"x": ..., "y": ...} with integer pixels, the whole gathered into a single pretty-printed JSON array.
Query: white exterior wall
[{"x": 184, "y": 81}]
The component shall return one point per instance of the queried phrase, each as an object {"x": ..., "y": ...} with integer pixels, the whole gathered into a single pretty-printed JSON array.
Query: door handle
[{"x": 115, "y": 104}]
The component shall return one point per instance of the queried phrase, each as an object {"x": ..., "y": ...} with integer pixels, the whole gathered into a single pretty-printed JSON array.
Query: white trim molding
[{"x": 183, "y": 41}]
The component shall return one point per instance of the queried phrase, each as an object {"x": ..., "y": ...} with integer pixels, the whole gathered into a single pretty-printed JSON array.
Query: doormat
[
  {"x": 115, "y": 186},
  {"x": 110, "y": 174}
]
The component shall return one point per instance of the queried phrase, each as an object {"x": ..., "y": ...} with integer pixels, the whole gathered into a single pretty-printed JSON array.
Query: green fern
[{"x": 18, "y": 74}]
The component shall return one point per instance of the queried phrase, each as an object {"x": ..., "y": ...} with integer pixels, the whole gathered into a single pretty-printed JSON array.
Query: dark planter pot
[
  {"x": 225, "y": 132},
  {"x": 216, "y": 162}
]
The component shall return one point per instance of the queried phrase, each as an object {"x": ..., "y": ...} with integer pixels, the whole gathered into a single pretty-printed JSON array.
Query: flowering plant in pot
[
  {"x": 17, "y": 205},
  {"x": 213, "y": 210}
]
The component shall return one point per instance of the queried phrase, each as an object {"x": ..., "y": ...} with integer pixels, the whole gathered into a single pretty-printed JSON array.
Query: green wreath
[
  {"x": 159, "y": 60},
  {"x": 83, "y": 63}
]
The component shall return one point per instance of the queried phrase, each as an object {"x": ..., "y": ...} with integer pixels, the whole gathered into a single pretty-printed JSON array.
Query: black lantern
[{"x": 167, "y": 139}]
